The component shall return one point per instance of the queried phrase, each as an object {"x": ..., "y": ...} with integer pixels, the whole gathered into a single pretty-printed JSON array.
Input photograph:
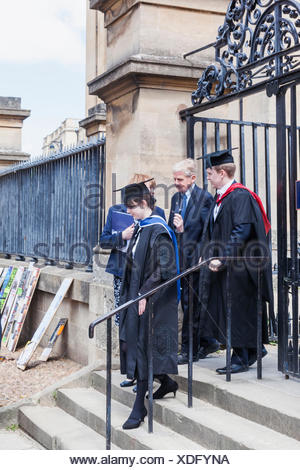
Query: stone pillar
[
  {"x": 11, "y": 123},
  {"x": 147, "y": 81}
]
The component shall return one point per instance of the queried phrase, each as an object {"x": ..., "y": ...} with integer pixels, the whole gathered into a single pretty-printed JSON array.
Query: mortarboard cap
[
  {"x": 220, "y": 157},
  {"x": 123, "y": 188},
  {"x": 135, "y": 190}
]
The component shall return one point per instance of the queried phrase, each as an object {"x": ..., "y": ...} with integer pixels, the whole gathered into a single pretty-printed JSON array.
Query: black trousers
[
  {"x": 241, "y": 356},
  {"x": 196, "y": 315}
]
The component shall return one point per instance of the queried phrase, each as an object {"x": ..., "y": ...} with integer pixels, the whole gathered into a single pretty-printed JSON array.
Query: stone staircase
[
  {"x": 12, "y": 439},
  {"x": 223, "y": 416}
]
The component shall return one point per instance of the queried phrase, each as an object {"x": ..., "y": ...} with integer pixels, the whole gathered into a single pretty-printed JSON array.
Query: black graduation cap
[
  {"x": 134, "y": 190},
  {"x": 220, "y": 157},
  {"x": 123, "y": 188}
]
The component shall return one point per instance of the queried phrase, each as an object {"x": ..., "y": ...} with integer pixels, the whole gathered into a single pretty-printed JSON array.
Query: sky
[{"x": 42, "y": 61}]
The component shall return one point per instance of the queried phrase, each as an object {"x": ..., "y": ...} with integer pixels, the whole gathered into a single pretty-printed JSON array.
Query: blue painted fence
[{"x": 53, "y": 208}]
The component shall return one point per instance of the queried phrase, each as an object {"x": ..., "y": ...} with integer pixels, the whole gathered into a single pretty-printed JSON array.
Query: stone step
[
  {"x": 273, "y": 401},
  {"x": 89, "y": 407},
  {"x": 208, "y": 425},
  {"x": 55, "y": 429},
  {"x": 17, "y": 440}
]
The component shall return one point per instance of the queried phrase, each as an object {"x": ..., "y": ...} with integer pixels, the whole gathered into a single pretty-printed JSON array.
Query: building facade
[
  {"x": 11, "y": 124},
  {"x": 68, "y": 134}
]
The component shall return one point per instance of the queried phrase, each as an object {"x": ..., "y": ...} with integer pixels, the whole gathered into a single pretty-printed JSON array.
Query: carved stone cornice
[
  {"x": 92, "y": 120},
  {"x": 19, "y": 114},
  {"x": 145, "y": 72},
  {"x": 114, "y": 9},
  {"x": 13, "y": 155}
]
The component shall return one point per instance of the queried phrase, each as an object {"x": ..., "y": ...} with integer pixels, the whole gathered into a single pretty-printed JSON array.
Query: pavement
[
  {"x": 12, "y": 439},
  {"x": 271, "y": 380}
]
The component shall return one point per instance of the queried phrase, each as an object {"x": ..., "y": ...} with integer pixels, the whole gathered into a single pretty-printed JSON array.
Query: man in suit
[{"x": 189, "y": 209}]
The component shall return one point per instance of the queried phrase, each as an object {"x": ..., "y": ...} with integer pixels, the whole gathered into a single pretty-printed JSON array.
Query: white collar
[
  {"x": 189, "y": 191},
  {"x": 224, "y": 188}
]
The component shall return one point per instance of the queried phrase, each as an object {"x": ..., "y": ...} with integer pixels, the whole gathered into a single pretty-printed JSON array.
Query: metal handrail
[{"x": 149, "y": 294}]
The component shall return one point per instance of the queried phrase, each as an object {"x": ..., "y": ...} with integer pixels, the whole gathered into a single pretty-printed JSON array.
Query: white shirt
[
  {"x": 220, "y": 193},
  {"x": 188, "y": 193}
]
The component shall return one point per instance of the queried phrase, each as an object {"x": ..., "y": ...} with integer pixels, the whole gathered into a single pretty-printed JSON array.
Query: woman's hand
[
  {"x": 128, "y": 232},
  {"x": 215, "y": 265},
  {"x": 142, "y": 306}
]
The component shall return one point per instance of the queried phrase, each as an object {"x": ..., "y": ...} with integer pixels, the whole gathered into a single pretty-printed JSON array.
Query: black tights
[
  {"x": 139, "y": 405},
  {"x": 141, "y": 389}
]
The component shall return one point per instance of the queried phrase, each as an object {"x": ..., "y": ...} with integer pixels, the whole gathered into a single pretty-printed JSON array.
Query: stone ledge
[
  {"x": 15, "y": 113},
  {"x": 51, "y": 278},
  {"x": 142, "y": 71},
  {"x": 114, "y": 9},
  {"x": 90, "y": 120},
  {"x": 6, "y": 154}
]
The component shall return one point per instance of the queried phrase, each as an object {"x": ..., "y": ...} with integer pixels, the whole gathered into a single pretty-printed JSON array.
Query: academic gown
[
  {"x": 237, "y": 231},
  {"x": 153, "y": 262}
]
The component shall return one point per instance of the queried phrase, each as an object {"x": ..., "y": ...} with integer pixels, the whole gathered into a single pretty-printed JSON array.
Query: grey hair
[{"x": 187, "y": 166}]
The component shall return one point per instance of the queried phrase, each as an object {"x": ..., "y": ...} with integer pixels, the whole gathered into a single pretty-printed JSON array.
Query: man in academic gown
[
  {"x": 189, "y": 209},
  {"x": 237, "y": 226}
]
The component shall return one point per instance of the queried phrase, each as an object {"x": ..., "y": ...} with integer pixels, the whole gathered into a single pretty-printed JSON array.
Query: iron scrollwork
[{"x": 258, "y": 41}]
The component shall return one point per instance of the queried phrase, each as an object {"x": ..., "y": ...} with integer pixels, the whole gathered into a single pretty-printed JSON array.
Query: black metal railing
[
  {"x": 244, "y": 67},
  {"x": 148, "y": 295},
  {"x": 53, "y": 208}
]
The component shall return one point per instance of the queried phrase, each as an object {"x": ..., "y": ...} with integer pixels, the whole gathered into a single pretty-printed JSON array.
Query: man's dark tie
[{"x": 184, "y": 204}]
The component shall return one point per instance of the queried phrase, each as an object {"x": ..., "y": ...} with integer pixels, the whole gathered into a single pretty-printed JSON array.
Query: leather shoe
[
  {"x": 234, "y": 369},
  {"x": 252, "y": 357},
  {"x": 183, "y": 358},
  {"x": 211, "y": 348},
  {"x": 127, "y": 383},
  {"x": 133, "y": 422}
]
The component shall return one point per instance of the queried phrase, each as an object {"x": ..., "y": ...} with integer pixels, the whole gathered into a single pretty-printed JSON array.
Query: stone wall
[{"x": 86, "y": 300}]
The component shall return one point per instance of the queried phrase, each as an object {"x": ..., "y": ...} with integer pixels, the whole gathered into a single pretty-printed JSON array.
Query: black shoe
[
  {"x": 211, "y": 348},
  {"x": 234, "y": 369},
  {"x": 134, "y": 389},
  {"x": 183, "y": 358},
  {"x": 127, "y": 383},
  {"x": 133, "y": 422},
  {"x": 252, "y": 357},
  {"x": 167, "y": 386}
]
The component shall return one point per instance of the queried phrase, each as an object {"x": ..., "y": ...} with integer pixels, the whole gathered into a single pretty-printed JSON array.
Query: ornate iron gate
[{"x": 257, "y": 49}]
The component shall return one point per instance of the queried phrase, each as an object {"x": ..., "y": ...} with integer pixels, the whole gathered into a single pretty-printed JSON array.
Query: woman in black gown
[{"x": 150, "y": 260}]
